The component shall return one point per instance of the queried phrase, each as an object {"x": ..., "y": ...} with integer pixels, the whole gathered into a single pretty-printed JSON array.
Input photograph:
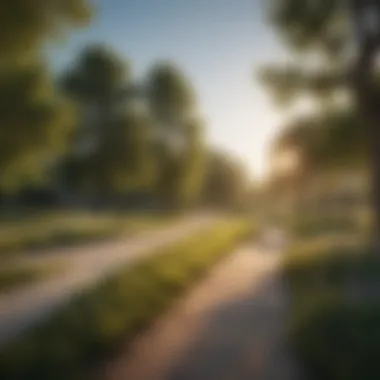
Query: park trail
[
  {"x": 231, "y": 326},
  {"x": 85, "y": 266}
]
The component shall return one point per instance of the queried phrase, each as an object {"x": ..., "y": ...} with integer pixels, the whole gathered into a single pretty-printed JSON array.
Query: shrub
[
  {"x": 335, "y": 315},
  {"x": 307, "y": 227},
  {"x": 339, "y": 341},
  {"x": 331, "y": 268}
]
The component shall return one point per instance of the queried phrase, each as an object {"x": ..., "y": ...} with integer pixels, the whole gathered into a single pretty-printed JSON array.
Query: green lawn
[
  {"x": 95, "y": 323},
  {"x": 66, "y": 228},
  {"x": 13, "y": 276}
]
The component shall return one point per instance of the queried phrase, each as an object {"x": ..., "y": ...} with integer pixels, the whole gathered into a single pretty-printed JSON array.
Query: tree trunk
[
  {"x": 366, "y": 91},
  {"x": 368, "y": 99},
  {"x": 373, "y": 125}
]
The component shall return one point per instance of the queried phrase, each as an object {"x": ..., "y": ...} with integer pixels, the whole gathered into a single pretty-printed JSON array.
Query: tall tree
[
  {"x": 171, "y": 95},
  {"x": 181, "y": 170},
  {"x": 336, "y": 33},
  {"x": 326, "y": 139},
  {"x": 34, "y": 123},
  {"x": 113, "y": 143},
  {"x": 226, "y": 180},
  {"x": 178, "y": 133},
  {"x": 122, "y": 161},
  {"x": 33, "y": 118},
  {"x": 97, "y": 82},
  {"x": 26, "y": 26},
  {"x": 194, "y": 161}
]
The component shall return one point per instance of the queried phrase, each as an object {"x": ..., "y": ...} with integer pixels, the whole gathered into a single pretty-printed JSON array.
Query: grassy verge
[
  {"x": 98, "y": 321},
  {"x": 16, "y": 276},
  {"x": 335, "y": 310},
  {"x": 68, "y": 228}
]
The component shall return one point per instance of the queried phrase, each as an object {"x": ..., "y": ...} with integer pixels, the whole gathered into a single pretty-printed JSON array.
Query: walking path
[
  {"x": 230, "y": 327},
  {"x": 22, "y": 308}
]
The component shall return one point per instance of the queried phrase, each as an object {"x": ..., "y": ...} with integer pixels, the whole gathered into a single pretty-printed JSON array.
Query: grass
[
  {"x": 68, "y": 228},
  {"x": 333, "y": 280},
  {"x": 14, "y": 276},
  {"x": 96, "y": 323}
]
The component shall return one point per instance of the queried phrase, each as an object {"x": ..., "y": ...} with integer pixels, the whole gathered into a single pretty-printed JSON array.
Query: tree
[
  {"x": 97, "y": 82},
  {"x": 34, "y": 125},
  {"x": 26, "y": 26},
  {"x": 332, "y": 30},
  {"x": 181, "y": 171},
  {"x": 34, "y": 120},
  {"x": 114, "y": 141},
  {"x": 194, "y": 160},
  {"x": 122, "y": 161},
  {"x": 226, "y": 181},
  {"x": 178, "y": 133},
  {"x": 325, "y": 140},
  {"x": 171, "y": 95}
]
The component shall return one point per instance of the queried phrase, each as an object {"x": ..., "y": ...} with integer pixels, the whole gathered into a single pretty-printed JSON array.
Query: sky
[{"x": 219, "y": 44}]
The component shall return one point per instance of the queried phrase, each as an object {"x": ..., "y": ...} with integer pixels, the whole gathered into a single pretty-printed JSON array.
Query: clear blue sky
[{"x": 218, "y": 43}]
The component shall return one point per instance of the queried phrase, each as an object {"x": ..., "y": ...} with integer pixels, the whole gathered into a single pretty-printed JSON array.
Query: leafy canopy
[
  {"x": 34, "y": 123},
  {"x": 27, "y": 25},
  {"x": 170, "y": 93}
]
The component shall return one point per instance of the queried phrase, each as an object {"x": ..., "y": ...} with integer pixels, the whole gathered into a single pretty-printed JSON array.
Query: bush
[
  {"x": 339, "y": 341},
  {"x": 331, "y": 268},
  {"x": 98, "y": 321},
  {"x": 307, "y": 227},
  {"x": 334, "y": 315}
]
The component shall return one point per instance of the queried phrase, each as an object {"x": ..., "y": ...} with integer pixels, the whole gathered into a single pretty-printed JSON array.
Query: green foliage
[
  {"x": 309, "y": 227},
  {"x": 26, "y": 26},
  {"x": 225, "y": 180},
  {"x": 321, "y": 25},
  {"x": 181, "y": 172},
  {"x": 58, "y": 229},
  {"x": 179, "y": 134},
  {"x": 325, "y": 31},
  {"x": 118, "y": 308},
  {"x": 334, "y": 322},
  {"x": 119, "y": 155},
  {"x": 327, "y": 265},
  {"x": 159, "y": 146},
  {"x": 12, "y": 276},
  {"x": 334, "y": 285},
  {"x": 33, "y": 119},
  {"x": 98, "y": 77},
  {"x": 123, "y": 159},
  {"x": 171, "y": 96},
  {"x": 34, "y": 124},
  {"x": 193, "y": 162},
  {"x": 290, "y": 82},
  {"x": 330, "y": 139},
  {"x": 111, "y": 140},
  {"x": 339, "y": 341},
  {"x": 334, "y": 315}
]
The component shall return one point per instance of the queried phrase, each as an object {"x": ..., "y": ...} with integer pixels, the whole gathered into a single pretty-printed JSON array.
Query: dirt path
[
  {"x": 22, "y": 308},
  {"x": 230, "y": 327}
]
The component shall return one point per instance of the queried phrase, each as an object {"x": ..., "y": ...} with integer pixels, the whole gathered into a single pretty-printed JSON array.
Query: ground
[
  {"x": 22, "y": 308},
  {"x": 232, "y": 326}
]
